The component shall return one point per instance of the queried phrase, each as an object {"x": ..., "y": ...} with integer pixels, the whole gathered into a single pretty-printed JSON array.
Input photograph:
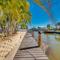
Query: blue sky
[{"x": 40, "y": 17}]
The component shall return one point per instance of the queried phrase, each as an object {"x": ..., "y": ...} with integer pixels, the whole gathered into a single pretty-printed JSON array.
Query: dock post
[
  {"x": 39, "y": 38},
  {"x": 32, "y": 33}
]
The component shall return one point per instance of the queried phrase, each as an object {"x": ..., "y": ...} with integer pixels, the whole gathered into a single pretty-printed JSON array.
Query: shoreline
[{"x": 9, "y": 48}]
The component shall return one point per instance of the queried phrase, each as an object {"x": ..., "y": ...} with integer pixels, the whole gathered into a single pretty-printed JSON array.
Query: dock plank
[{"x": 30, "y": 54}]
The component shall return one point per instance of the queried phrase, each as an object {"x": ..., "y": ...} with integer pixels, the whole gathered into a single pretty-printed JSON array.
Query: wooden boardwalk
[{"x": 30, "y": 54}]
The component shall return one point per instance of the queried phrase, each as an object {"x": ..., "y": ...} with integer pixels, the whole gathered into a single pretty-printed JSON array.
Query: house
[{"x": 58, "y": 26}]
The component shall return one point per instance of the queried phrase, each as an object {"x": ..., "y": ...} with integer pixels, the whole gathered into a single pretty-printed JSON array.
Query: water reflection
[
  {"x": 53, "y": 42},
  {"x": 57, "y": 37}
]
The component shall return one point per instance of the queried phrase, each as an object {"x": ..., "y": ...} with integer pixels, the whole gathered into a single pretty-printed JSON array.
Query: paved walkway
[{"x": 31, "y": 53}]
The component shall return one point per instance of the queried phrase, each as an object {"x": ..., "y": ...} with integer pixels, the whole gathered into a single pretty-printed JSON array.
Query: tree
[
  {"x": 12, "y": 13},
  {"x": 48, "y": 26},
  {"x": 47, "y": 9}
]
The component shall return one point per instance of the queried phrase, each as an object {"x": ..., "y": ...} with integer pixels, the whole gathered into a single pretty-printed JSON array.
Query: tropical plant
[{"x": 12, "y": 13}]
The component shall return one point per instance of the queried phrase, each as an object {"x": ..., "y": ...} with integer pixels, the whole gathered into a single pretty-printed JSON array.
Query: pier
[
  {"x": 29, "y": 50},
  {"x": 52, "y": 32}
]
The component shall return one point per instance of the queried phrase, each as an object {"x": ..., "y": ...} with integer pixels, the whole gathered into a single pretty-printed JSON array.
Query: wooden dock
[
  {"x": 52, "y": 32},
  {"x": 29, "y": 50}
]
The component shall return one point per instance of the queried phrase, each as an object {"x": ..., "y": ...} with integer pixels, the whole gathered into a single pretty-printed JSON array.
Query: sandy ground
[{"x": 9, "y": 47}]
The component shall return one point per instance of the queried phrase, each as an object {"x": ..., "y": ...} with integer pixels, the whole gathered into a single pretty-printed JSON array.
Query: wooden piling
[
  {"x": 39, "y": 38},
  {"x": 32, "y": 33}
]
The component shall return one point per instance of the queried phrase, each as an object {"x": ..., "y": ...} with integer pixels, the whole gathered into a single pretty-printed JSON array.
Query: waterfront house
[{"x": 58, "y": 26}]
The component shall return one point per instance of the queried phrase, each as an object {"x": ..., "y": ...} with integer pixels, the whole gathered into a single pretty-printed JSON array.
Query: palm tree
[
  {"x": 38, "y": 2},
  {"x": 48, "y": 9}
]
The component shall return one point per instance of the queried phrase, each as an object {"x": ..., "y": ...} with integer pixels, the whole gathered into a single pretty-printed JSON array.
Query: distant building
[{"x": 58, "y": 26}]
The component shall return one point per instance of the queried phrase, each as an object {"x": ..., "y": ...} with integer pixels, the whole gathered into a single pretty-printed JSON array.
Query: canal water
[{"x": 53, "y": 42}]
